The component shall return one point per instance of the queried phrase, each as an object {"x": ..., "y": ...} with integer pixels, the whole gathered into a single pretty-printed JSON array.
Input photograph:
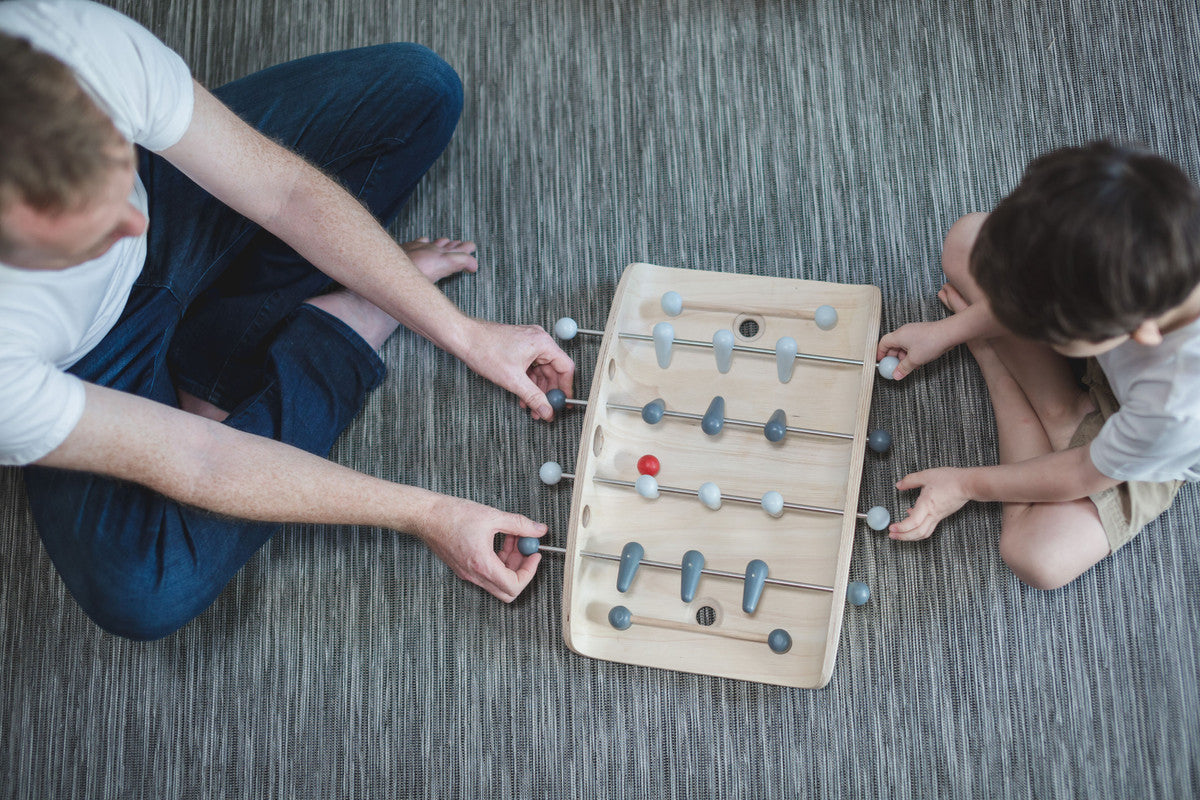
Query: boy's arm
[
  {"x": 918, "y": 343},
  {"x": 1053, "y": 478},
  {"x": 218, "y": 468},
  {"x": 332, "y": 230}
]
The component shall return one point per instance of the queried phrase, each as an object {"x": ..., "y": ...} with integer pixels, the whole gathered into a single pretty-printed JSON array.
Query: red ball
[{"x": 648, "y": 465}]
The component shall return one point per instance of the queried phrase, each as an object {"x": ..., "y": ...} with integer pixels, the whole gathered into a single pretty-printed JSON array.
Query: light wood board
[{"x": 801, "y": 546}]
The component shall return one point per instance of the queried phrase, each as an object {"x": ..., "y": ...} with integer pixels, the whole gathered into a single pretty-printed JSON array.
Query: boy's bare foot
[{"x": 439, "y": 258}]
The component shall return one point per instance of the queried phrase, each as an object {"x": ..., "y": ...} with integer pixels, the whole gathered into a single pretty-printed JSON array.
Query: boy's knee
[
  {"x": 956, "y": 249},
  {"x": 1039, "y": 561}
]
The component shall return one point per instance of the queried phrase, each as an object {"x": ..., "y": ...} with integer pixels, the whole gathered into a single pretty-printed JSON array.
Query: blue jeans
[{"x": 219, "y": 311}]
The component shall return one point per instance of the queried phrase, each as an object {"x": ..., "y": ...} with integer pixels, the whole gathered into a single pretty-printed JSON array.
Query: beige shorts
[{"x": 1127, "y": 507}]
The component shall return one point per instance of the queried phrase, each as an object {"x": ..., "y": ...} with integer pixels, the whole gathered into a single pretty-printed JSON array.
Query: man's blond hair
[{"x": 56, "y": 146}]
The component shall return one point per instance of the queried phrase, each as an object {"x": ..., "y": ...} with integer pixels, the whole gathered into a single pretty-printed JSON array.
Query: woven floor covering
[{"x": 821, "y": 139}]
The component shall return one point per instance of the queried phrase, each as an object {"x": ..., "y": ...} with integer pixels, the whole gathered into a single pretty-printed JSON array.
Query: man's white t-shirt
[
  {"x": 1155, "y": 435},
  {"x": 51, "y": 319}
]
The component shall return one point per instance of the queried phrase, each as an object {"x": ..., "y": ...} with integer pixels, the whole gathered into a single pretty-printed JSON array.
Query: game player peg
[
  {"x": 551, "y": 473},
  {"x": 887, "y": 366},
  {"x": 631, "y": 559},
  {"x": 879, "y": 440},
  {"x": 714, "y": 417},
  {"x": 690, "y": 571},
  {"x": 857, "y": 593},
  {"x": 779, "y": 640},
  {"x": 772, "y": 503},
  {"x": 652, "y": 412},
  {"x": 710, "y": 494},
  {"x": 723, "y": 349},
  {"x": 785, "y": 357},
  {"x": 756, "y": 576},
  {"x": 647, "y": 487},
  {"x": 566, "y": 328},
  {"x": 620, "y": 618},
  {"x": 557, "y": 399},
  {"x": 527, "y": 545},
  {"x": 672, "y": 304},
  {"x": 664, "y": 337},
  {"x": 826, "y": 317},
  {"x": 878, "y": 518},
  {"x": 776, "y": 426}
]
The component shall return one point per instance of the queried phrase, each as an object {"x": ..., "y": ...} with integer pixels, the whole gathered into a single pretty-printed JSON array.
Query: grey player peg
[
  {"x": 690, "y": 570},
  {"x": 756, "y": 578},
  {"x": 631, "y": 559},
  {"x": 714, "y": 417}
]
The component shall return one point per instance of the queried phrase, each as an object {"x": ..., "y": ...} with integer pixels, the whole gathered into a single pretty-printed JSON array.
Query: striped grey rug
[{"x": 820, "y": 139}]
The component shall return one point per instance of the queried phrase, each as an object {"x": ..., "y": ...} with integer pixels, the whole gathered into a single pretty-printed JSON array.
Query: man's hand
[
  {"x": 523, "y": 359},
  {"x": 942, "y": 493},
  {"x": 915, "y": 344},
  {"x": 461, "y": 534}
]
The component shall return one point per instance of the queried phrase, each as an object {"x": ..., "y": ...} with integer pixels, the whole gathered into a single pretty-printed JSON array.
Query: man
[{"x": 169, "y": 342}]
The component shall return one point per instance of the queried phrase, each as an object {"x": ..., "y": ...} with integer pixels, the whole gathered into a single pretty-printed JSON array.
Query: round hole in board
[
  {"x": 706, "y": 616},
  {"x": 612, "y": 368},
  {"x": 748, "y": 326},
  {"x": 585, "y": 517},
  {"x": 598, "y": 441}
]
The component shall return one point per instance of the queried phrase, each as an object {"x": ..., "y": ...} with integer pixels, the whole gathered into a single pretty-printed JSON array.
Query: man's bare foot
[
  {"x": 440, "y": 258},
  {"x": 201, "y": 408},
  {"x": 436, "y": 259}
]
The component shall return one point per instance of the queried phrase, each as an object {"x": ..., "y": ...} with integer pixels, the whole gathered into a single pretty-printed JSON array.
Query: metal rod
[
  {"x": 720, "y": 573},
  {"x": 733, "y": 497},
  {"x": 741, "y": 348}
]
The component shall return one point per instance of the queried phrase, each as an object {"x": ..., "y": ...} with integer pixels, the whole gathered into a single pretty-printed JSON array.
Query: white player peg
[
  {"x": 887, "y": 366},
  {"x": 710, "y": 495},
  {"x": 826, "y": 317},
  {"x": 566, "y": 328},
  {"x": 723, "y": 349},
  {"x": 785, "y": 357},
  {"x": 664, "y": 337},
  {"x": 672, "y": 304},
  {"x": 647, "y": 487}
]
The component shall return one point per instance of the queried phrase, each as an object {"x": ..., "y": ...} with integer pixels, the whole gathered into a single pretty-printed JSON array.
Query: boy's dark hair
[{"x": 1094, "y": 241}]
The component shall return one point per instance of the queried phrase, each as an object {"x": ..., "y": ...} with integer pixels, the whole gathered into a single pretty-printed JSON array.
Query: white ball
[
  {"x": 710, "y": 495},
  {"x": 647, "y": 487},
  {"x": 772, "y": 503},
  {"x": 566, "y": 328},
  {"x": 672, "y": 304},
  {"x": 878, "y": 518},
  {"x": 887, "y": 367},
  {"x": 550, "y": 473},
  {"x": 826, "y": 317}
]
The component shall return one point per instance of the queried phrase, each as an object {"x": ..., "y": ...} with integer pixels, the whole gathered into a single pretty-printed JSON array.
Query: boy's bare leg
[
  {"x": 1046, "y": 545},
  {"x": 1044, "y": 376},
  {"x": 436, "y": 259}
]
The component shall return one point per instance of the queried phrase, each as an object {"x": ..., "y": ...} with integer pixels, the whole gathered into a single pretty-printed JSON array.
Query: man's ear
[{"x": 1148, "y": 333}]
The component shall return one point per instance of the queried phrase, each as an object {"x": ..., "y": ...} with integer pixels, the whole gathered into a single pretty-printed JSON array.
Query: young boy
[{"x": 1095, "y": 254}]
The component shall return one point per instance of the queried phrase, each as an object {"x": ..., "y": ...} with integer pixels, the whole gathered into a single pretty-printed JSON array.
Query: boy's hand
[
  {"x": 462, "y": 534},
  {"x": 942, "y": 493},
  {"x": 915, "y": 344}
]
